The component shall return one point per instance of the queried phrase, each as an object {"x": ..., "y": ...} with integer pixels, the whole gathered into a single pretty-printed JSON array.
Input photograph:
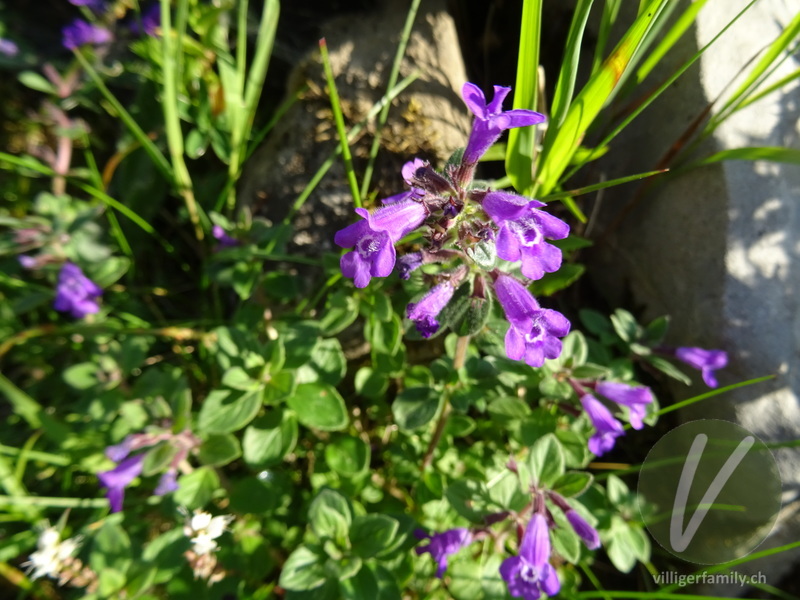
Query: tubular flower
[
  {"x": 585, "y": 531},
  {"x": 424, "y": 312},
  {"x": 118, "y": 478},
  {"x": 534, "y": 332},
  {"x": 608, "y": 429},
  {"x": 522, "y": 233},
  {"x": 444, "y": 544},
  {"x": 706, "y": 361},
  {"x": 530, "y": 573},
  {"x": 79, "y": 32},
  {"x": 491, "y": 120},
  {"x": 636, "y": 398},
  {"x": 373, "y": 239},
  {"x": 76, "y": 293}
]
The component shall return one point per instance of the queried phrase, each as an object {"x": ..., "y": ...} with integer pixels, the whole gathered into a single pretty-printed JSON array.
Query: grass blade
[
  {"x": 171, "y": 45},
  {"x": 610, "y": 14},
  {"x": 772, "y": 153},
  {"x": 569, "y": 66},
  {"x": 522, "y": 140},
  {"x": 340, "y": 127},
  {"x": 159, "y": 160},
  {"x": 590, "y": 101},
  {"x": 24, "y": 406},
  {"x": 384, "y": 114},
  {"x": 602, "y": 185}
]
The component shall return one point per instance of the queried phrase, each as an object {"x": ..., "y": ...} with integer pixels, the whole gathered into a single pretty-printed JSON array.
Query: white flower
[
  {"x": 203, "y": 529},
  {"x": 51, "y": 554}
]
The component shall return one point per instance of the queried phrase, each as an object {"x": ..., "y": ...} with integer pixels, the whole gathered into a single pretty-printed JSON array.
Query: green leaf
[
  {"x": 110, "y": 270},
  {"x": 226, "y": 411},
  {"x": 111, "y": 547},
  {"x": 82, "y": 376},
  {"x": 371, "y": 384},
  {"x": 330, "y": 516},
  {"x": 551, "y": 283},
  {"x": 347, "y": 455},
  {"x": 219, "y": 450},
  {"x": 157, "y": 459},
  {"x": 303, "y": 570},
  {"x": 36, "y": 82},
  {"x": 469, "y": 498},
  {"x": 625, "y": 325},
  {"x": 372, "y": 533},
  {"x": 196, "y": 488},
  {"x": 279, "y": 387},
  {"x": 237, "y": 378},
  {"x": 341, "y": 310},
  {"x": 320, "y": 406},
  {"x": 576, "y": 452},
  {"x": 668, "y": 368},
  {"x": 416, "y": 407},
  {"x": 327, "y": 364},
  {"x": 573, "y": 483},
  {"x": 362, "y": 586},
  {"x": 269, "y": 438},
  {"x": 507, "y": 410},
  {"x": 546, "y": 460},
  {"x": 110, "y": 581}
]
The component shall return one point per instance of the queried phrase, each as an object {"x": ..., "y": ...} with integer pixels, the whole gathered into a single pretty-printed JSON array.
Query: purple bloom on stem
[
  {"x": 608, "y": 429},
  {"x": 27, "y": 262},
  {"x": 225, "y": 241},
  {"x": 167, "y": 483},
  {"x": 408, "y": 263},
  {"x": 373, "y": 240},
  {"x": 79, "y": 32},
  {"x": 707, "y": 361},
  {"x": 444, "y": 544},
  {"x": 491, "y": 120},
  {"x": 76, "y": 293},
  {"x": 636, "y": 398},
  {"x": 530, "y": 573},
  {"x": 8, "y": 47},
  {"x": 118, "y": 478},
  {"x": 119, "y": 451},
  {"x": 424, "y": 312},
  {"x": 534, "y": 332},
  {"x": 523, "y": 229},
  {"x": 149, "y": 22},
  {"x": 585, "y": 531}
]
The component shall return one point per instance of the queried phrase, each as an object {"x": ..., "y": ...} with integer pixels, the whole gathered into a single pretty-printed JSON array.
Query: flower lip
[{"x": 443, "y": 544}]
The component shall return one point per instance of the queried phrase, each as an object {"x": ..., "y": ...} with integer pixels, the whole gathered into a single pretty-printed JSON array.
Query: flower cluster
[
  {"x": 203, "y": 530},
  {"x": 467, "y": 227},
  {"x": 129, "y": 467},
  {"x": 529, "y": 573},
  {"x": 80, "y": 32},
  {"x": 55, "y": 558}
]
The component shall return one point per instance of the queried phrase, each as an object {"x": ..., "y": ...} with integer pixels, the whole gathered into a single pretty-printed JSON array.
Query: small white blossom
[
  {"x": 203, "y": 529},
  {"x": 51, "y": 554}
]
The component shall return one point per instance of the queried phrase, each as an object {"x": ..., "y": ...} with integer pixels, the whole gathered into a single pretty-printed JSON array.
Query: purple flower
[
  {"x": 119, "y": 451},
  {"x": 149, "y": 22},
  {"x": 444, "y": 544},
  {"x": 636, "y": 398},
  {"x": 76, "y": 293},
  {"x": 167, "y": 483},
  {"x": 95, "y": 5},
  {"x": 707, "y": 361},
  {"x": 79, "y": 32},
  {"x": 490, "y": 120},
  {"x": 530, "y": 573},
  {"x": 8, "y": 47},
  {"x": 608, "y": 429},
  {"x": 408, "y": 263},
  {"x": 118, "y": 478},
  {"x": 534, "y": 332},
  {"x": 424, "y": 312},
  {"x": 225, "y": 241},
  {"x": 585, "y": 531},
  {"x": 27, "y": 262},
  {"x": 523, "y": 229},
  {"x": 373, "y": 239}
]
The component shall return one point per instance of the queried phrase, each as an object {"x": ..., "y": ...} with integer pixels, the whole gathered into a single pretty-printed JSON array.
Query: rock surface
[
  {"x": 428, "y": 119},
  {"x": 716, "y": 248}
]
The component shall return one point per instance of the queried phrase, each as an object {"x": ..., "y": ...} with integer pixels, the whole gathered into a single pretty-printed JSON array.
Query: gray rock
[{"x": 716, "y": 248}]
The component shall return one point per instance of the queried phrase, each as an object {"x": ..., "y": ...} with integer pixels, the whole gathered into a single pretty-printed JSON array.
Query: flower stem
[{"x": 458, "y": 361}]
